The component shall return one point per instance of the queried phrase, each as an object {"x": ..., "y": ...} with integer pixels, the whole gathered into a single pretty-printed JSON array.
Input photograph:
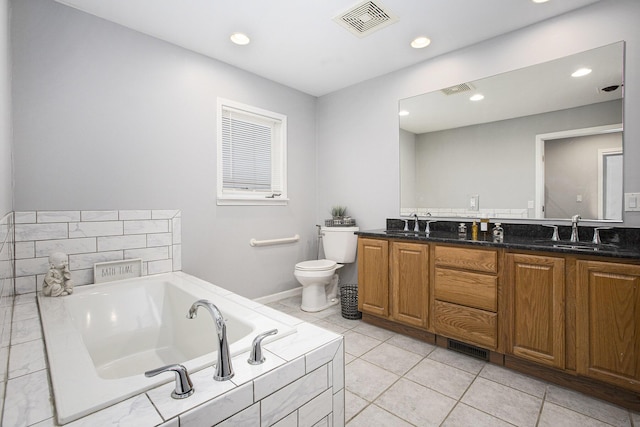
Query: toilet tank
[{"x": 340, "y": 244}]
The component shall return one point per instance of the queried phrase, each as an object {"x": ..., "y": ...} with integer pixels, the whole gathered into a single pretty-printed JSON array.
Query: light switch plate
[
  {"x": 632, "y": 202},
  {"x": 474, "y": 202}
]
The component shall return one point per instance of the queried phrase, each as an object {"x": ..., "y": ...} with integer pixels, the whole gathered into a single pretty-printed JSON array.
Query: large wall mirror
[{"x": 533, "y": 143}]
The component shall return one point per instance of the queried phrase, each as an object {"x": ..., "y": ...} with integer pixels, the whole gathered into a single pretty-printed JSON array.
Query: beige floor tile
[
  {"x": 353, "y": 404},
  {"x": 503, "y": 402},
  {"x": 358, "y": 344},
  {"x": 457, "y": 360},
  {"x": 552, "y": 415},
  {"x": 367, "y": 380},
  {"x": 373, "y": 331},
  {"x": 339, "y": 320},
  {"x": 392, "y": 358},
  {"x": 415, "y": 403},
  {"x": 442, "y": 378},
  {"x": 463, "y": 415},
  {"x": 331, "y": 326},
  {"x": 635, "y": 419},
  {"x": 410, "y": 344},
  {"x": 348, "y": 358},
  {"x": 514, "y": 379},
  {"x": 374, "y": 416},
  {"x": 589, "y": 406}
]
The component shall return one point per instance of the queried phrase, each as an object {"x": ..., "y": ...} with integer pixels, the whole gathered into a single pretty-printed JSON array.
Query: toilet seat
[{"x": 316, "y": 265}]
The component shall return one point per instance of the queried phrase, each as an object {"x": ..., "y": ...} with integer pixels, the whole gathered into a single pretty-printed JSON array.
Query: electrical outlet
[
  {"x": 631, "y": 202},
  {"x": 474, "y": 202}
]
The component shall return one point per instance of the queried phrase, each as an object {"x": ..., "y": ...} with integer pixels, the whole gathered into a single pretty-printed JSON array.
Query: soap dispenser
[{"x": 498, "y": 233}]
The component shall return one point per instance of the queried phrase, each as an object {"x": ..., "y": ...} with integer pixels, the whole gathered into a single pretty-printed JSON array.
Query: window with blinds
[{"x": 251, "y": 155}]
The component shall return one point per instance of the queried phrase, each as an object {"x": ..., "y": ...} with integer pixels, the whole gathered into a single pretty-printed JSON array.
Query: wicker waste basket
[{"x": 349, "y": 301}]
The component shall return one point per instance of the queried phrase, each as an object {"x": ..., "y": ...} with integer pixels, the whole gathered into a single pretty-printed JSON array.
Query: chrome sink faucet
[
  {"x": 224, "y": 370},
  {"x": 416, "y": 226},
  {"x": 574, "y": 228}
]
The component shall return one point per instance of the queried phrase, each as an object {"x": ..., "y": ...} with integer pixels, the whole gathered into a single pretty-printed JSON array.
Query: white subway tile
[
  {"x": 28, "y": 217},
  {"x": 134, "y": 214},
  {"x": 112, "y": 243},
  {"x": 95, "y": 229},
  {"x": 337, "y": 366},
  {"x": 294, "y": 395},
  {"x": 82, "y": 261},
  {"x": 99, "y": 216},
  {"x": 316, "y": 409},
  {"x": 290, "y": 420},
  {"x": 82, "y": 277},
  {"x": 338, "y": 409},
  {"x": 25, "y": 285},
  {"x": 164, "y": 214},
  {"x": 220, "y": 408},
  {"x": 27, "y": 400},
  {"x": 57, "y": 216},
  {"x": 148, "y": 254},
  {"x": 176, "y": 255},
  {"x": 248, "y": 417},
  {"x": 159, "y": 239},
  {"x": 25, "y": 250},
  {"x": 25, "y": 232},
  {"x": 146, "y": 227},
  {"x": 44, "y": 248},
  {"x": 322, "y": 355},
  {"x": 31, "y": 266},
  {"x": 159, "y": 267},
  {"x": 26, "y": 358},
  {"x": 274, "y": 380},
  {"x": 136, "y": 411},
  {"x": 176, "y": 229}
]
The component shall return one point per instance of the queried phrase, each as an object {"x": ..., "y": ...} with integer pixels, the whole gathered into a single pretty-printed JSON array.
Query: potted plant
[{"x": 337, "y": 212}]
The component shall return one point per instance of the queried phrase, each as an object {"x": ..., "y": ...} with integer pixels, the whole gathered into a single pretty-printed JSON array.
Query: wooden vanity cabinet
[
  {"x": 466, "y": 294},
  {"x": 373, "y": 276},
  {"x": 535, "y": 315},
  {"x": 608, "y": 322},
  {"x": 410, "y": 283}
]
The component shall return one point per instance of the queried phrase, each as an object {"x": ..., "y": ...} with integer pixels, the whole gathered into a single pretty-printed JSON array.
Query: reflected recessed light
[
  {"x": 539, "y": 1},
  {"x": 581, "y": 72},
  {"x": 477, "y": 97},
  {"x": 240, "y": 38},
  {"x": 420, "y": 42},
  {"x": 403, "y": 113}
]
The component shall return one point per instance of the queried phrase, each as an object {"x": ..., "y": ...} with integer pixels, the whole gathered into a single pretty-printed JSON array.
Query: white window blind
[{"x": 251, "y": 155}]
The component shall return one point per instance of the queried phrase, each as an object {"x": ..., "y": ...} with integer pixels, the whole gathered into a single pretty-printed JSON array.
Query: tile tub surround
[
  {"x": 301, "y": 382},
  {"x": 88, "y": 237},
  {"x": 6, "y": 295}
]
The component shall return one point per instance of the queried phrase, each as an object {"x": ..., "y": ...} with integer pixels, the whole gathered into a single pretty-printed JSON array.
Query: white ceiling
[{"x": 297, "y": 43}]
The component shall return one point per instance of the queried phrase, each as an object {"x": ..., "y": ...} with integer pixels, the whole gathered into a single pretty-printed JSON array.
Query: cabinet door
[
  {"x": 410, "y": 283},
  {"x": 373, "y": 276},
  {"x": 608, "y": 322},
  {"x": 536, "y": 289}
]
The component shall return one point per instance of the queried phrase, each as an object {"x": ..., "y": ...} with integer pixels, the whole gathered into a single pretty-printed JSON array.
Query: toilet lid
[{"x": 316, "y": 265}]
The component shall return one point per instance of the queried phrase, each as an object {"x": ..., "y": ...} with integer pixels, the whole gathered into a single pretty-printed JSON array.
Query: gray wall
[
  {"x": 571, "y": 169},
  {"x": 107, "y": 118},
  {"x": 361, "y": 122},
  {"x": 6, "y": 189},
  {"x": 495, "y": 160}
]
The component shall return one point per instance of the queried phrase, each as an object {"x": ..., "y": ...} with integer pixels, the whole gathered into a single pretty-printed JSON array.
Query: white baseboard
[{"x": 280, "y": 295}]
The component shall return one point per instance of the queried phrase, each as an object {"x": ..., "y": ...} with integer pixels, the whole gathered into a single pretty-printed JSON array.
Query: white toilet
[{"x": 340, "y": 245}]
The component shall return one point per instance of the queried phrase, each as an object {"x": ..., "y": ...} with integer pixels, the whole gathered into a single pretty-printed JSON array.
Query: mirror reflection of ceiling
[{"x": 537, "y": 89}]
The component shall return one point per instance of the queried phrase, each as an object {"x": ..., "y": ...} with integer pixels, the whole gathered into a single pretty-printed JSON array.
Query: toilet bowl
[{"x": 319, "y": 278}]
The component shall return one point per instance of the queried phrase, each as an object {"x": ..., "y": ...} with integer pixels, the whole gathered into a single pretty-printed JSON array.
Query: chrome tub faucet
[{"x": 224, "y": 370}]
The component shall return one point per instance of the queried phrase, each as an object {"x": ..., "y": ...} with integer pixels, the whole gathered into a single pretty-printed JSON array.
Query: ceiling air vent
[
  {"x": 365, "y": 18},
  {"x": 462, "y": 87}
]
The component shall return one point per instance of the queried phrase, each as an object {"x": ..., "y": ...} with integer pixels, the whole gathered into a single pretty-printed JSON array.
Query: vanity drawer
[
  {"x": 469, "y": 259},
  {"x": 466, "y": 324},
  {"x": 469, "y": 289}
]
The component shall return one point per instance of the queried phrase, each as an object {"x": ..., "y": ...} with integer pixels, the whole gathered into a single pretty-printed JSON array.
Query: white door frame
[{"x": 540, "y": 140}]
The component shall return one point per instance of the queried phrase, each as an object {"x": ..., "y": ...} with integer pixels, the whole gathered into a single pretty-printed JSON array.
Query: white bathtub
[{"x": 102, "y": 339}]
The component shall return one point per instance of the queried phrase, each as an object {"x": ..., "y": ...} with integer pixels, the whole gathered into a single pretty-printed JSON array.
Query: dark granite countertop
[{"x": 617, "y": 242}]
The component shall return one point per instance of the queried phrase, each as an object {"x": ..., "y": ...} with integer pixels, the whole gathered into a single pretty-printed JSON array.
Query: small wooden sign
[{"x": 117, "y": 270}]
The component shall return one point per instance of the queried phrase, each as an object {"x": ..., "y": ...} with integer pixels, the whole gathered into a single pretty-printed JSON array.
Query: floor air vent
[
  {"x": 365, "y": 18},
  {"x": 469, "y": 350}
]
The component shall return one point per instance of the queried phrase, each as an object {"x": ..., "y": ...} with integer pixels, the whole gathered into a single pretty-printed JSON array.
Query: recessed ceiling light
[
  {"x": 581, "y": 72},
  {"x": 477, "y": 97},
  {"x": 420, "y": 42},
  {"x": 240, "y": 38},
  {"x": 539, "y": 1},
  {"x": 403, "y": 113}
]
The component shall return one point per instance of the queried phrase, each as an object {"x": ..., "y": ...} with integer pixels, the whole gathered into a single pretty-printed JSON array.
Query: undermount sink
[{"x": 405, "y": 233}]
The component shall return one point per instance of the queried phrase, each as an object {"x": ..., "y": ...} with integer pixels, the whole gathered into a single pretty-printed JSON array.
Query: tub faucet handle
[
  {"x": 256, "y": 357},
  {"x": 184, "y": 386}
]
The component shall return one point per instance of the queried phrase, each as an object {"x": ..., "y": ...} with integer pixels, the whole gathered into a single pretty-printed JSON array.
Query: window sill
[{"x": 245, "y": 201}]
